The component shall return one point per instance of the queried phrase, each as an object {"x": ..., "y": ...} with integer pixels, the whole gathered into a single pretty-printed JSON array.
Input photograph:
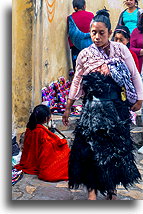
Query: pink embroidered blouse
[{"x": 89, "y": 62}]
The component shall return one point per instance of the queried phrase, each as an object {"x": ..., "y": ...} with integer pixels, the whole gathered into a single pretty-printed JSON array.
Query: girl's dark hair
[
  {"x": 123, "y": 30},
  {"x": 38, "y": 116},
  {"x": 140, "y": 23},
  {"x": 102, "y": 16},
  {"x": 136, "y": 2},
  {"x": 79, "y": 4}
]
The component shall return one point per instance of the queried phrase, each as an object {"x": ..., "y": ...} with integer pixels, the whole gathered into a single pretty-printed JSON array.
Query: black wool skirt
[{"x": 102, "y": 156}]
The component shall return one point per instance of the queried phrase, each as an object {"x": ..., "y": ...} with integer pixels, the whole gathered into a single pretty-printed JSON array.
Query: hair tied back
[{"x": 103, "y": 12}]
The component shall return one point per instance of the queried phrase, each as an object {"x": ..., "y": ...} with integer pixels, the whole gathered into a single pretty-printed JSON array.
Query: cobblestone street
[{"x": 31, "y": 188}]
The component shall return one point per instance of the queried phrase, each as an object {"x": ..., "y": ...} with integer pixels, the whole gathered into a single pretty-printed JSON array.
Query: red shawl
[{"x": 44, "y": 154}]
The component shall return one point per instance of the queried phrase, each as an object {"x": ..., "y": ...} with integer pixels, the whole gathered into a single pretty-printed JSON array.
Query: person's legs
[{"x": 74, "y": 53}]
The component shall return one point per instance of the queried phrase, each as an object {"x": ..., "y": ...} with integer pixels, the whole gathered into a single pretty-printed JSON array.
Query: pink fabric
[
  {"x": 82, "y": 20},
  {"x": 86, "y": 63},
  {"x": 136, "y": 44}
]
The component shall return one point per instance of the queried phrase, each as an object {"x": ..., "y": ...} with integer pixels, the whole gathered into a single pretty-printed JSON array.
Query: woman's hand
[
  {"x": 67, "y": 112},
  {"x": 137, "y": 106},
  {"x": 65, "y": 117}
]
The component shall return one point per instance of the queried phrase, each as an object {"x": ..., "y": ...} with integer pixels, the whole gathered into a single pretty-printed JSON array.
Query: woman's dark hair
[
  {"x": 136, "y": 2},
  {"x": 102, "y": 16},
  {"x": 38, "y": 116},
  {"x": 78, "y": 4},
  {"x": 140, "y": 24}
]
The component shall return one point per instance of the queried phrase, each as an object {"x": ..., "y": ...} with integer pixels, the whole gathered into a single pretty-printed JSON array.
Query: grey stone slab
[{"x": 52, "y": 193}]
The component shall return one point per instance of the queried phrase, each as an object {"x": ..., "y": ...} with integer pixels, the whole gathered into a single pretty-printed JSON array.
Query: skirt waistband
[{"x": 114, "y": 95}]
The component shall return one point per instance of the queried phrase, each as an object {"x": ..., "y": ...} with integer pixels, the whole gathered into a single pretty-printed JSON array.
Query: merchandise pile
[
  {"x": 16, "y": 175},
  {"x": 16, "y": 155},
  {"x": 55, "y": 96}
]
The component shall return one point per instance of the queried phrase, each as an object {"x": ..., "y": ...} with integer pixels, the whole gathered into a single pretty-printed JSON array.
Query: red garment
[
  {"x": 82, "y": 20},
  {"x": 135, "y": 59},
  {"x": 44, "y": 154},
  {"x": 136, "y": 44}
]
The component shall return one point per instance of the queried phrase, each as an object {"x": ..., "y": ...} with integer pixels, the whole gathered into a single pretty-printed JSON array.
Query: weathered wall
[
  {"x": 21, "y": 61},
  {"x": 40, "y": 48},
  {"x": 56, "y": 54}
]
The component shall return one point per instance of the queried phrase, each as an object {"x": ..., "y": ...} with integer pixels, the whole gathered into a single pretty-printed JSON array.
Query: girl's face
[
  {"x": 130, "y": 3},
  {"x": 120, "y": 38},
  {"x": 99, "y": 34},
  {"x": 48, "y": 119}
]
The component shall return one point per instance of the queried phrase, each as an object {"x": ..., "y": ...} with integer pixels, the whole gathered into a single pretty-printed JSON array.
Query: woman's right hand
[
  {"x": 137, "y": 106},
  {"x": 67, "y": 112},
  {"x": 65, "y": 117}
]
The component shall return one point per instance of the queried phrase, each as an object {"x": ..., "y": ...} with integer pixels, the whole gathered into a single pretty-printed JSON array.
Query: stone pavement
[{"x": 31, "y": 188}]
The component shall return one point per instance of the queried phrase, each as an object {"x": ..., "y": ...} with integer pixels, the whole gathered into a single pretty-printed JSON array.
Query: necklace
[{"x": 106, "y": 48}]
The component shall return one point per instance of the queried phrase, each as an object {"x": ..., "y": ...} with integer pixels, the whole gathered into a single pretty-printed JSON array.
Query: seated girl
[{"x": 44, "y": 153}]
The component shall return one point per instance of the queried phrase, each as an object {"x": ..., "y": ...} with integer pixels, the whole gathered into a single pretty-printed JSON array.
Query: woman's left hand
[{"x": 137, "y": 106}]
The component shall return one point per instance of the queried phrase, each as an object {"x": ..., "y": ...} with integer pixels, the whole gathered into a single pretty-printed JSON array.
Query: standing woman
[
  {"x": 130, "y": 16},
  {"x": 82, "y": 19},
  {"x": 101, "y": 156},
  {"x": 136, "y": 42}
]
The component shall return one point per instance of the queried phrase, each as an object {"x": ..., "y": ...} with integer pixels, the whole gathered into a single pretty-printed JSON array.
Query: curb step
[
  {"x": 57, "y": 120},
  {"x": 137, "y": 135},
  {"x": 139, "y": 120}
]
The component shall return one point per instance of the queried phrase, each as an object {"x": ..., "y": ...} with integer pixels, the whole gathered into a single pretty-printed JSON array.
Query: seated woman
[{"x": 44, "y": 153}]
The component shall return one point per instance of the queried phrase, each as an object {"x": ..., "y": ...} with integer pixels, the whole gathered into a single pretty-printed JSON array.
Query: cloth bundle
[
  {"x": 79, "y": 39},
  {"x": 121, "y": 74}
]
